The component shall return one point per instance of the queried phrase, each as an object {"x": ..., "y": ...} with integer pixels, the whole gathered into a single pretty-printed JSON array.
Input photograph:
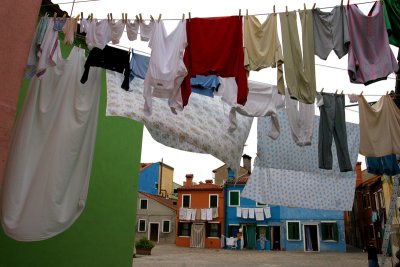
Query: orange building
[{"x": 200, "y": 218}]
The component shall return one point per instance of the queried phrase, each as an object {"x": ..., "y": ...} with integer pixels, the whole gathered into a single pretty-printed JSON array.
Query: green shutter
[
  {"x": 323, "y": 231},
  {"x": 296, "y": 230},
  {"x": 267, "y": 235},
  {"x": 335, "y": 232},
  {"x": 293, "y": 231},
  {"x": 233, "y": 198}
]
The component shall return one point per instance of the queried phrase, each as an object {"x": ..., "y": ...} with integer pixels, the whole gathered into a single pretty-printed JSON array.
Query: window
[
  {"x": 371, "y": 233},
  {"x": 293, "y": 230},
  {"x": 213, "y": 229},
  {"x": 186, "y": 201},
  {"x": 166, "y": 226},
  {"x": 329, "y": 231},
  {"x": 365, "y": 201},
  {"x": 262, "y": 231},
  {"x": 233, "y": 229},
  {"x": 143, "y": 204},
  {"x": 142, "y": 225},
  {"x": 213, "y": 201},
  {"x": 184, "y": 229},
  {"x": 234, "y": 198}
]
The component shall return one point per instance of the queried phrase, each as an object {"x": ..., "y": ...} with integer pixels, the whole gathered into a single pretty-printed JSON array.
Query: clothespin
[
  {"x": 240, "y": 12},
  {"x": 287, "y": 13},
  {"x": 274, "y": 10},
  {"x": 151, "y": 17},
  {"x": 65, "y": 14},
  {"x": 111, "y": 17},
  {"x": 305, "y": 8},
  {"x": 55, "y": 15},
  {"x": 183, "y": 17},
  {"x": 91, "y": 17},
  {"x": 387, "y": 92},
  {"x": 81, "y": 16},
  {"x": 341, "y": 92},
  {"x": 336, "y": 92},
  {"x": 341, "y": 3},
  {"x": 361, "y": 93},
  {"x": 126, "y": 17},
  {"x": 46, "y": 14},
  {"x": 247, "y": 13},
  {"x": 108, "y": 17},
  {"x": 77, "y": 17},
  {"x": 159, "y": 17},
  {"x": 189, "y": 16},
  {"x": 129, "y": 52},
  {"x": 140, "y": 17},
  {"x": 123, "y": 17},
  {"x": 322, "y": 90},
  {"x": 313, "y": 7}
]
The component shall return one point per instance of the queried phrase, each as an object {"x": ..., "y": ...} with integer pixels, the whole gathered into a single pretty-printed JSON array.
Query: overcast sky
[{"x": 330, "y": 74}]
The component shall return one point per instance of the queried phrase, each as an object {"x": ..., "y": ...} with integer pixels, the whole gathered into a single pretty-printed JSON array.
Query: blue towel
[
  {"x": 383, "y": 165},
  {"x": 139, "y": 66}
]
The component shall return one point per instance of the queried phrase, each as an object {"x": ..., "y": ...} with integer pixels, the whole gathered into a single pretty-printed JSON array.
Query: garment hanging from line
[
  {"x": 49, "y": 49},
  {"x": 215, "y": 46},
  {"x": 299, "y": 69},
  {"x": 48, "y": 169},
  {"x": 370, "y": 58},
  {"x": 288, "y": 175},
  {"x": 379, "y": 127},
  {"x": 392, "y": 19},
  {"x": 383, "y": 165},
  {"x": 202, "y": 127}
]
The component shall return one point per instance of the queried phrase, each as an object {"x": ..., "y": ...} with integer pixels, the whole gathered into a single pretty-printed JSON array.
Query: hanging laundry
[
  {"x": 331, "y": 32},
  {"x": 193, "y": 216},
  {"x": 299, "y": 70},
  {"x": 182, "y": 213},
  {"x": 379, "y": 127},
  {"x": 387, "y": 165},
  {"x": 259, "y": 214},
  {"x": 203, "y": 214},
  {"x": 251, "y": 213},
  {"x": 370, "y": 57},
  {"x": 353, "y": 98},
  {"x": 139, "y": 65},
  {"x": 262, "y": 48},
  {"x": 188, "y": 215},
  {"x": 239, "y": 212},
  {"x": 210, "y": 39},
  {"x": 98, "y": 33},
  {"x": 392, "y": 19},
  {"x": 117, "y": 29},
  {"x": 227, "y": 90},
  {"x": 198, "y": 214},
  {"x": 46, "y": 182},
  {"x": 110, "y": 58},
  {"x": 204, "y": 85},
  {"x": 209, "y": 214},
  {"x": 69, "y": 29},
  {"x": 193, "y": 130},
  {"x": 332, "y": 124},
  {"x": 245, "y": 213},
  {"x": 267, "y": 212},
  {"x": 215, "y": 213},
  {"x": 166, "y": 69},
  {"x": 59, "y": 24},
  {"x": 41, "y": 29},
  {"x": 146, "y": 30},
  {"x": 263, "y": 100},
  {"x": 300, "y": 117},
  {"x": 288, "y": 175}
]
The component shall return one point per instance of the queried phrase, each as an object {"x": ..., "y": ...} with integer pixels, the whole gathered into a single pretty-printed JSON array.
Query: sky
[{"x": 330, "y": 74}]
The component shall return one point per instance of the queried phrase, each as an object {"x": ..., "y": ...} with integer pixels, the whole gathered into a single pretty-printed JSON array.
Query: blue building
[
  {"x": 283, "y": 228},
  {"x": 157, "y": 179}
]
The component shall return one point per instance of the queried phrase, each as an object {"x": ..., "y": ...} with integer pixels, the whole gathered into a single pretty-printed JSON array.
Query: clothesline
[{"x": 257, "y": 14}]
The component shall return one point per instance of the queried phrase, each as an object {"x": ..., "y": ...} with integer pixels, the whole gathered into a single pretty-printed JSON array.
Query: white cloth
[
  {"x": 48, "y": 169},
  {"x": 239, "y": 212},
  {"x": 166, "y": 68},
  {"x": 203, "y": 214},
  {"x": 69, "y": 29},
  {"x": 132, "y": 29},
  {"x": 182, "y": 213},
  {"x": 260, "y": 214},
  {"x": 98, "y": 33},
  {"x": 301, "y": 120},
  {"x": 245, "y": 213},
  {"x": 49, "y": 53},
  {"x": 288, "y": 175},
  {"x": 188, "y": 214},
  {"x": 267, "y": 212},
  {"x": 201, "y": 127},
  {"x": 117, "y": 29},
  {"x": 227, "y": 90},
  {"x": 209, "y": 215},
  {"x": 193, "y": 217},
  {"x": 263, "y": 100},
  {"x": 251, "y": 213},
  {"x": 146, "y": 30}
]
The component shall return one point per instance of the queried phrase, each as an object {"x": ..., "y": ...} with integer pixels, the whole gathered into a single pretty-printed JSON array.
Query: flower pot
[{"x": 143, "y": 251}]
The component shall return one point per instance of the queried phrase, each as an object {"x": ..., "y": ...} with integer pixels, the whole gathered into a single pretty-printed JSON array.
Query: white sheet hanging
[{"x": 49, "y": 164}]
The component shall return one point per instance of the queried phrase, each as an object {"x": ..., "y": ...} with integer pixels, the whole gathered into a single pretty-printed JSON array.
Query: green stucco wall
[{"x": 104, "y": 233}]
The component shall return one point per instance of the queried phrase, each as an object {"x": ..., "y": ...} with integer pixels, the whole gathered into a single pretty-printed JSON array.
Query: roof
[
  {"x": 368, "y": 179},
  {"x": 162, "y": 200},
  {"x": 144, "y": 166},
  {"x": 241, "y": 180},
  {"x": 200, "y": 187}
]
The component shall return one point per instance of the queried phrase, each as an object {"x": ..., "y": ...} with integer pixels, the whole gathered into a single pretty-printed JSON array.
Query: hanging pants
[{"x": 333, "y": 125}]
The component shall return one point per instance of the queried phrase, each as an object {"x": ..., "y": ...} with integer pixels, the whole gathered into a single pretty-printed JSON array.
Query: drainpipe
[{"x": 160, "y": 176}]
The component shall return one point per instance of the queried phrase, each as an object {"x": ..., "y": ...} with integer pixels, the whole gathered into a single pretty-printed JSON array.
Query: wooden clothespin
[
  {"x": 64, "y": 16},
  {"x": 190, "y": 16},
  {"x": 140, "y": 17},
  {"x": 55, "y": 15},
  {"x": 322, "y": 90},
  {"x": 77, "y": 17},
  {"x": 287, "y": 13},
  {"x": 341, "y": 92},
  {"x": 387, "y": 92},
  {"x": 151, "y": 18},
  {"x": 336, "y": 92},
  {"x": 240, "y": 12},
  {"x": 313, "y": 7},
  {"x": 108, "y": 17},
  {"x": 91, "y": 17},
  {"x": 361, "y": 93},
  {"x": 123, "y": 17},
  {"x": 183, "y": 17},
  {"x": 159, "y": 17},
  {"x": 305, "y": 8},
  {"x": 126, "y": 17},
  {"x": 46, "y": 14},
  {"x": 137, "y": 18},
  {"x": 247, "y": 13},
  {"x": 81, "y": 16},
  {"x": 274, "y": 10},
  {"x": 111, "y": 17},
  {"x": 129, "y": 52},
  {"x": 341, "y": 3}
]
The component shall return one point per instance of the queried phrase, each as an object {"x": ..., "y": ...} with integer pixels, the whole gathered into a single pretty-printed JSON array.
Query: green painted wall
[{"x": 104, "y": 233}]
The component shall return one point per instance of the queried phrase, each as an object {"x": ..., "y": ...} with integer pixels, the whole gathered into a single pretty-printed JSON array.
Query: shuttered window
[
  {"x": 293, "y": 230},
  {"x": 329, "y": 231}
]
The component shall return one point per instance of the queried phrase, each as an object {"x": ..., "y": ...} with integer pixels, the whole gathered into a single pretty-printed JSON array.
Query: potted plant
[{"x": 143, "y": 246}]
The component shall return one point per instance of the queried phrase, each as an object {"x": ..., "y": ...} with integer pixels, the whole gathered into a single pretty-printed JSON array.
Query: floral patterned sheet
[{"x": 201, "y": 127}]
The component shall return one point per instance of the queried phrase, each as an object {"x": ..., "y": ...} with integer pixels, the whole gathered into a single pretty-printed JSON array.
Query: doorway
[
  {"x": 197, "y": 236},
  {"x": 250, "y": 236},
  {"x": 275, "y": 238},
  {"x": 154, "y": 233},
  {"x": 311, "y": 242}
]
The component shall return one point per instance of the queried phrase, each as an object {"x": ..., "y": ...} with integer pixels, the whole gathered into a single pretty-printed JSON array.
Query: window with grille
[{"x": 329, "y": 231}]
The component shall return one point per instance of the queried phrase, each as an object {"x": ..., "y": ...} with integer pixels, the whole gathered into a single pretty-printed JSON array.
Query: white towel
[
  {"x": 239, "y": 212},
  {"x": 251, "y": 213},
  {"x": 182, "y": 213},
  {"x": 188, "y": 214},
  {"x": 267, "y": 212},
  {"x": 209, "y": 214},
  {"x": 245, "y": 213},
  {"x": 203, "y": 214},
  {"x": 193, "y": 218},
  {"x": 259, "y": 214}
]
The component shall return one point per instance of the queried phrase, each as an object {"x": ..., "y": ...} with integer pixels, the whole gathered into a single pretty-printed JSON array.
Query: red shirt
[{"x": 215, "y": 46}]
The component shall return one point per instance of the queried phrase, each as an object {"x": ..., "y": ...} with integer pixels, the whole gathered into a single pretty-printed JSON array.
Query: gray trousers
[{"x": 333, "y": 125}]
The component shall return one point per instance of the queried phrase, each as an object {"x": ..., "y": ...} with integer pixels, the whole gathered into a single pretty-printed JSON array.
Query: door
[
  {"x": 153, "y": 234},
  {"x": 275, "y": 238},
  {"x": 197, "y": 236},
  {"x": 311, "y": 238},
  {"x": 250, "y": 237}
]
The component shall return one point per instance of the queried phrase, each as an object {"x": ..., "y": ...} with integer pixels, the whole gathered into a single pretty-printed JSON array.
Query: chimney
[
  {"x": 359, "y": 178},
  {"x": 210, "y": 181},
  {"x": 247, "y": 163},
  {"x": 189, "y": 180}
]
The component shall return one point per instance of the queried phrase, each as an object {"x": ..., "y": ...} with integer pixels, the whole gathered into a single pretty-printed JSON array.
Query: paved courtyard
[{"x": 172, "y": 256}]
